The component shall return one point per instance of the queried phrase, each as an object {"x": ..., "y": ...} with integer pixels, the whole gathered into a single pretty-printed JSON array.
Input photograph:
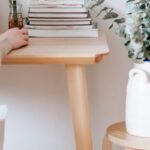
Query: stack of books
[{"x": 60, "y": 18}]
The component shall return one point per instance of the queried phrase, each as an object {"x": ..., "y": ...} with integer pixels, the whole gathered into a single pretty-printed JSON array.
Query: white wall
[{"x": 39, "y": 113}]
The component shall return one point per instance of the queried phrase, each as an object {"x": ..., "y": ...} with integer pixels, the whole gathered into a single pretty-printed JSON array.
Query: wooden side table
[
  {"x": 75, "y": 53},
  {"x": 117, "y": 134}
]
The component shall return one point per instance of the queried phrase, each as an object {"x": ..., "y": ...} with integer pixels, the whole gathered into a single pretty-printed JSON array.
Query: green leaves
[
  {"x": 110, "y": 15},
  {"x": 98, "y": 3},
  {"x": 143, "y": 6},
  {"x": 134, "y": 30},
  {"x": 130, "y": 1},
  {"x": 120, "y": 20}
]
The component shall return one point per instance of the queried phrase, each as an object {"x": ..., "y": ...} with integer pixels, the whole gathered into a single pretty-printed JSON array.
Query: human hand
[{"x": 16, "y": 37}]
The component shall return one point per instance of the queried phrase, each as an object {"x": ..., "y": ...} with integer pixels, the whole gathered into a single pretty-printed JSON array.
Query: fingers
[
  {"x": 25, "y": 34},
  {"x": 25, "y": 43},
  {"x": 17, "y": 37},
  {"x": 24, "y": 31},
  {"x": 25, "y": 37}
]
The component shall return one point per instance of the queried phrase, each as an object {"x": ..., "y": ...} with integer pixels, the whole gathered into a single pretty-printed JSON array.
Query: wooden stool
[{"x": 117, "y": 134}]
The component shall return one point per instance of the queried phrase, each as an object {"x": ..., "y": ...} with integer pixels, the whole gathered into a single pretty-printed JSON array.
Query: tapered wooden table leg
[{"x": 79, "y": 103}]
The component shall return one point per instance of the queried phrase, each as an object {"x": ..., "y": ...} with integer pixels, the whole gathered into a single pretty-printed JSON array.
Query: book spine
[
  {"x": 56, "y": 2},
  {"x": 59, "y": 23},
  {"x": 63, "y": 33},
  {"x": 56, "y": 6},
  {"x": 53, "y": 19},
  {"x": 58, "y": 27},
  {"x": 58, "y": 15}
]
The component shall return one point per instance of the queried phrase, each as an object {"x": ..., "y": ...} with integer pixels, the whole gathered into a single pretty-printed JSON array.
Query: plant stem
[
  {"x": 10, "y": 3},
  {"x": 15, "y": 13}
]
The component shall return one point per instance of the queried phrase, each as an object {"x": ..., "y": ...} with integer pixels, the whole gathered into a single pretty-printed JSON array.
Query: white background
[{"x": 39, "y": 112}]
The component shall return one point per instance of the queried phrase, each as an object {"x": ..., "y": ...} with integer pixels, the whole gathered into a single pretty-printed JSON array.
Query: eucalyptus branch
[
  {"x": 109, "y": 13},
  {"x": 134, "y": 30},
  {"x": 98, "y": 3}
]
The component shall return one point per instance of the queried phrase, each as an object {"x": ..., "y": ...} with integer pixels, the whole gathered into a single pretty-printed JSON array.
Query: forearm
[{"x": 5, "y": 48}]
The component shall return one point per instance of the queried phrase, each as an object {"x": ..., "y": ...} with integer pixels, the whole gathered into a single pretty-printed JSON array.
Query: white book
[
  {"x": 60, "y": 23},
  {"x": 61, "y": 15},
  {"x": 58, "y": 27},
  {"x": 56, "y": 2},
  {"x": 58, "y": 10},
  {"x": 63, "y": 33},
  {"x": 64, "y": 19},
  {"x": 55, "y": 6}
]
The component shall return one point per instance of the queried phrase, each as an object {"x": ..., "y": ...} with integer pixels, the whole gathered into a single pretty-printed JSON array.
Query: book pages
[{"x": 57, "y": 2}]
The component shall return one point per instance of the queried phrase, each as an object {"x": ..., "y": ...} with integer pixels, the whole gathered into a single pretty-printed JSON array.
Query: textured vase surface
[{"x": 138, "y": 100}]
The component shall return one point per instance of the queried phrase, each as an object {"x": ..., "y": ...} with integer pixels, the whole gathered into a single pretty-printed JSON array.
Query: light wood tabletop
[
  {"x": 75, "y": 53},
  {"x": 60, "y": 51}
]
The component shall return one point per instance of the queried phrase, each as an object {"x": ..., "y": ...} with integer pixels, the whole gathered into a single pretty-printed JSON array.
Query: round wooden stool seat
[{"x": 117, "y": 134}]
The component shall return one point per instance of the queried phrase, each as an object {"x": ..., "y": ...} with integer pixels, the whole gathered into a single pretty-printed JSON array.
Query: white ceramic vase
[{"x": 138, "y": 101}]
